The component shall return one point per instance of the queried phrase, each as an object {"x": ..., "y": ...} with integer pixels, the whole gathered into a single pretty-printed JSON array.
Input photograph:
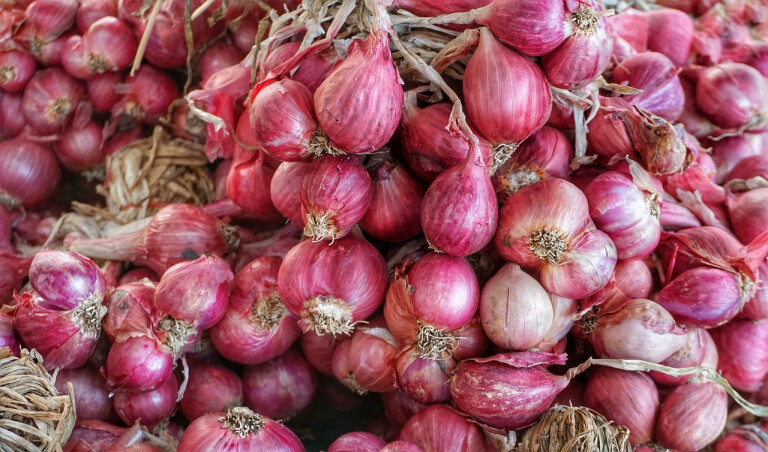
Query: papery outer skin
[
  {"x": 138, "y": 364},
  {"x": 399, "y": 407},
  {"x": 282, "y": 117},
  {"x": 202, "y": 306},
  {"x": 211, "y": 388},
  {"x": 318, "y": 349},
  {"x": 731, "y": 94},
  {"x": 357, "y": 442},
  {"x": 371, "y": 358},
  {"x": 692, "y": 416},
  {"x": 757, "y": 307},
  {"x": 700, "y": 350},
  {"x": 428, "y": 147},
  {"x": 208, "y": 433},
  {"x": 336, "y": 187},
  {"x": 52, "y": 332},
  {"x": 608, "y": 135},
  {"x": 703, "y": 245},
  {"x": 362, "y": 93},
  {"x": 515, "y": 310},
  {"x": 280, "y": 388},
  {"x": 90, "y": 391},
  {"x": 511, "y": 395},
  {"x": 532, "y": 27},
  {"x": 657, "y": 76},
  {"x": 237, "y": 336},
  {"x": 350, "y": 269},
  {"x": 633, "y": 278},
  {"x": 440, "y": 428},
  {"x": 742, "y": 353},
  {"x": 547, "y": 154},
  {"x": 622, "y": 210},
  {"x": 152, "y": 406},
  {"x": 459, "y": 213},
  {"x": 626, "y": 398},
  {"x": 65, "y": 279},
  {"x": 424, "y": 380},
  {"x": 581, "y": 58},
  {"x": 642, "y": 329},
  {"x": 437, "y": 7},
  {"x": 394, "y": 214},
  {"x": 670, "y": 32},
  {"x": 284, "y": 190},
  {"x": 130, "y": 308},
  {"x": 749, "y": 214},
  {"x": 703, "y": 297},
  {"x": 48, "y": 87},
  {"x": 521, "y": 98}
]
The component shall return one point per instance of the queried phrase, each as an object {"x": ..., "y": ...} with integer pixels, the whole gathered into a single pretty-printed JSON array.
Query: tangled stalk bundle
[
  {"x": 575, "y": 429},
  {"x": 33, "y": 416}
]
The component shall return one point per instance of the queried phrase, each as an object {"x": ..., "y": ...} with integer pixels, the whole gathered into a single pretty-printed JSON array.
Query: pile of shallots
[{"x": 434, "y": 222}]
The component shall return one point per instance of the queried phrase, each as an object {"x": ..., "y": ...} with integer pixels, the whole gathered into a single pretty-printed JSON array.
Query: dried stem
[{"x": 145, "y": 37}]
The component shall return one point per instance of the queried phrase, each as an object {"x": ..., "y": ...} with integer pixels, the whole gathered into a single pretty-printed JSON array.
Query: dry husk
[
  {"x": 33, "y": 416},
  {"x": 575, "y": 429}
]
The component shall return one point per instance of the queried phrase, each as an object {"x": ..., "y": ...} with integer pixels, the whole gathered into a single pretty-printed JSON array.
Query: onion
[
  {"x": 633, "y": 278},
  {"x": 732, "y": 95},
  {"x": 372, "y": 351},
  {"x": 29, "y": 173},
  {"x": 748, "y": 214},
  {"x": 284, "y": 190},
  {"x": 632, "y": 27},
  {"x": 11, "y": 122},
  {"x": 331, "y": 287},
  {"x": 746, "y": 438},
  {"x": 661, "y": 146},
  {"x": 629, "y": 399},
  {"x": 700, "y": 350},
  {"x": 318, "y": 349},
  {"x": 357, "y": 442},
  {"x": 692, "y": 416},
  {"x": 335, "y": 194},
  {"x": 281, "y": 388},
  {"x": 176, "y": 233},
  {"x": 437, "y": 7},
  {"x": 129, "y": 311},
  {"x": 136, "y": 275},
  {"x": 50, "y": 100},
  {"x": 91, "y": 435},
  {"x": 315, "y": 68},
  {"x": 518, "y": 388},
  {"x": 425, "y": 380},
  {"x": 150, "y": 407},
  {"x": 342, "y": 112},
  {"x": 256, "y": 327},
  {"x": 107, "y": 46},
  {"x": 211, "y": 388},
  {"x": 90, "y": 392},
  {"x": 656, "y": 75},
  {"x": 440, "y": 428},
  {"x": 81, "y": 148},
  {"x": 8, "y": 336},
  {"x": 399, "y": 407},
  {"x": 546, "y": 227},
  {"x": 743, "y": 357},
  {"x": 741, "y": 157},
  {"x": 524, "y": 99},
  {"x": 670, "y": 32},
  {"x": 609, "y": 136},
  {"x": 757, "y": 307},
  {"x": 515, "y": 310},
  {"x": 394, "y": 214},
  {"x": 67, "y": 280},
  {"x": 459, "y": 213},
  {"x": 139, "y": 363},
  {"x": 92, "y": 10},
  {"x": 16, "y": 69},
  {"x": 218, "y": 57},
  {"x": 149, "y": 94}
]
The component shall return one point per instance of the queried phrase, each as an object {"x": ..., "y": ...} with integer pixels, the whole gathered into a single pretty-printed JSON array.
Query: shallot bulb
[
  {"x": 50, "y": 100},
  {"x": 284, "y": 190},
  {"x": 67, "y": 280},
  {"x": 742, "y": 353},
  {"x": 399, "y": 407},
  {"x": 29, "y": 173},
  {"x": 660, "y": 144},
  {"x": 633, "y": 278},
  {"x": 107, "y": 46},
  {"x": 692, "y": 416},
  {"x": 424, "y": 379},
  {"x": 670, "y": 32},
  {"x": 80, "y": 148},
  {"x": 90, "y": 11},
  {"x": 732, "y": 95},
  {"x": 372, "y": 351},
  {"x": 139, "y": 363},
  {"x": 700, "y": 350},
  {"x": 129, "y": 311},
  {"x": 656, "y": 76},
  {"x": 239, "y": 428},
  {"x": 747, "y": 438},
  {"x": 335, "y": 194},
  {"x": 357, "y": 442},
  {"x": 90, "y": 391},
  {"x": 438, "y": 427},
  {"x": 609, "y": 136},
  {"x": 748, "y": 213},
  {"x": 11, "y": 122},
  {"x": 16, "y": 69},
  {"x": 150, "y": 407},
  {"x": 318, "y": 349},
  {"x": 280, "y": 388},
  {"x": 211, "y": 388},
  {"x": 546, "y": 227},
  {"x": 8, "y": 336},
  {"x": 331, "y": 287},
  {"x": 248, "y": 184},
  {"x": 256, "y": 326}
]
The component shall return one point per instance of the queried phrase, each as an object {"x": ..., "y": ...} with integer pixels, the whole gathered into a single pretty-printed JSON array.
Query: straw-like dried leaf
[{"x": 575, "y": 429}]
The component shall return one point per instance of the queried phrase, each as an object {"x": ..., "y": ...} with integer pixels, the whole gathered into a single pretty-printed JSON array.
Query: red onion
[
  {"x": 342, "y": 112},
  {"x": 518, "y": 388},
  {"x": 585, "y": 54},
  {"x": 29, "y": 173},
  {"x": 670, "y": 32},
  {"x": 45, "y": 21},
  {"x": 13, "y": 272},
  {"x": 90, "y": 391},
  {"x": 757, "y": 307},
  {"x": 16, "y": 69},
  {"x": 241, "y": 429},
  {"x": 424, "y": 379},
  {"x": 314, "y": 69},
  {"x": 50, "y": 100},
  {"x": 661, "y": 146},
  {"x": 515, "y": 310},
  {"x": 256, "y": 327},
  {"x": 633, "y": 278},
  {"x": 742, "y": 353},
  {"x": 331, "y": 287},
  {"x": 88, "y": 436},
  {"x": 544, "y": 155},
  {"x": 284, "y": 190},
  {"x": 129, "y": 311},
  {"x": 700, "y": 350},
  {"x": 211, "y": 389},
  {"x": 472, "y": 341},
  {"x": 11, "y": 122},
  {"x": 139, "y": 363},
  {"x": 748, "y": 166},
  {"x": 176, "y": 233},
  {"x": 693, "y": 120},
  {"x": 371, "y": 357},
  {"x": 746, "y": 438},
  {"x": 218, "y": 57},
  {"x": 608, "y": 135},
  {"x": 81, "y": 148},
  {"x": 641, "y": 329},
  {"x": 459, "y": 213},
  {"x": 274, "y": 243},
  {"x": 335, "y": 194},
  {"x": 150, "y": 407},
  {"x": 67, "y": 280},
  {"x": 692, "y": 416},
  {"x": 281, "y": 388},
  {"x": 438, "y": 427},
  {"x": 394, "y": 214},
  {"x": 399, "y": 407},
  {"x": 107, "y": 46},
  {"x": 524, "y": 100},
  {"x": 318, "y": 349},
  {"x": 90, "y": 11},
  {"x": 8, "y": 336},
  {"x": 122, "y": 139},
  {"x": 136, "y": 275},
  {"x": 656, "y": 75},
  {"x": 629, "y": 399},
  {"x": 546, "y": 227},
  {"x": 277, "y": 55},
  {"x": 150, "y": 93},
  {"x": 630, "y": 25},
  {"x": 357, "y": 442},
  {"x": 732, "y": 95},
  {"x": 248, "y": 184},
  {"x": 748, "y": 214}
]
